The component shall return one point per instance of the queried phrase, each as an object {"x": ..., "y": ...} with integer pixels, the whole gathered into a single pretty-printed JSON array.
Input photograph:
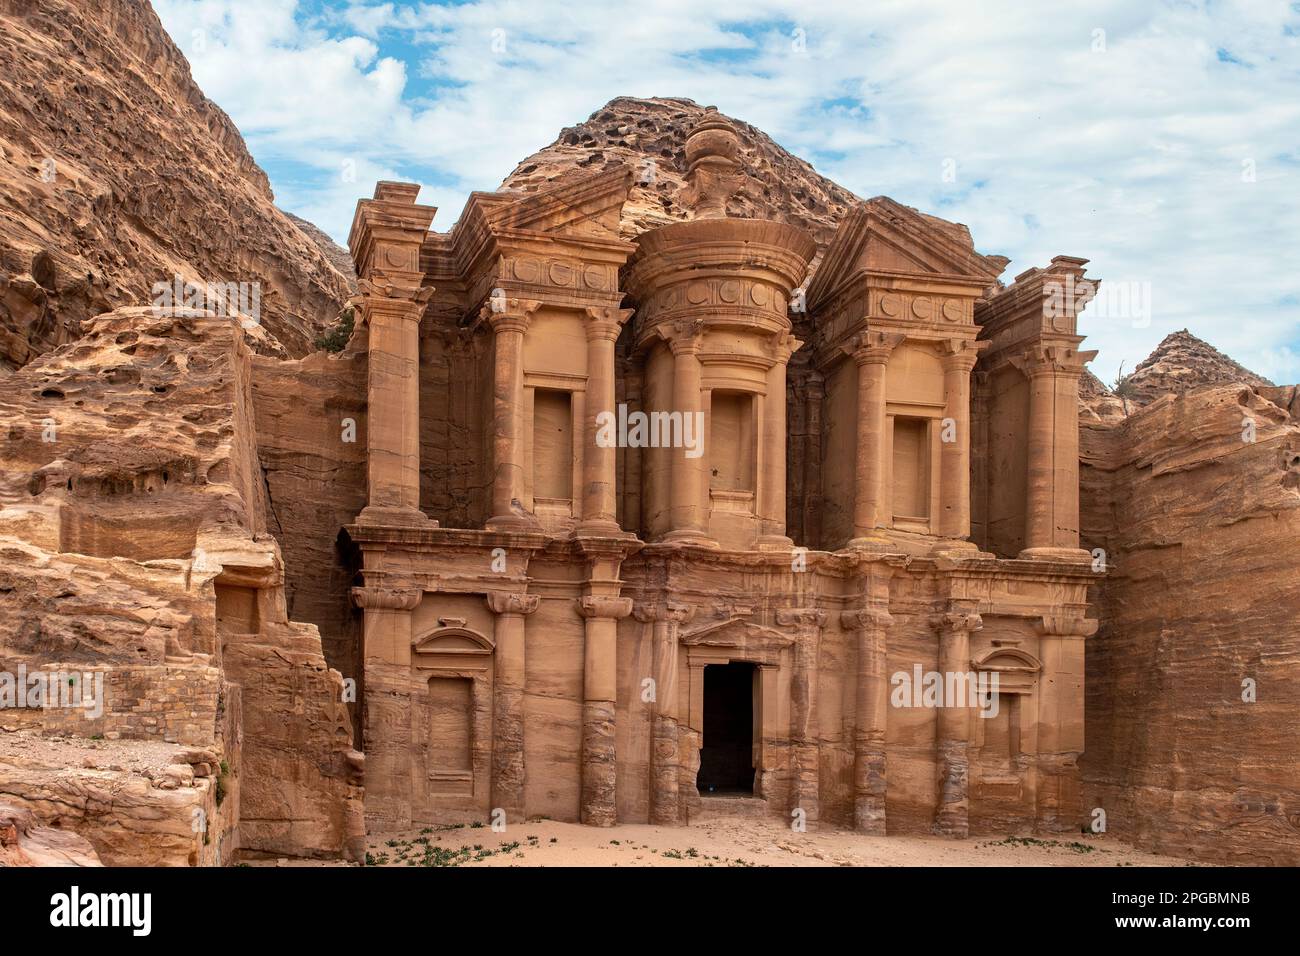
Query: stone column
[
  {"x": 952, "y": 815},
  {"x": 1052, "y": 509},
  {"x": 871, "y": 722},
  {"x": 387, "y": 234},
  {"x": 771, "y": 483},
  {"x": 872, "y": 508},
  {"x": 954, "y": 456},
  {"x": 393, "y": 410},
  {"x": 386, "y": 732},
  {"x": 690, "y": 487},
  {"x": 665, "y": 763},
  {"x": 508, "y": 425},
  {"x": 599, "y": 507},
  {"x": 599, "y": 698},
  {"x": 1060, "y": 720},
  {"x": 508, "y": 700},
  {"x": 804, "y": 737}
]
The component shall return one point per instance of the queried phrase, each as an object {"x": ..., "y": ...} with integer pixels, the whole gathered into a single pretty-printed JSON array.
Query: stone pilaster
[
  {"x": 600, "y": 693},
  {"x": 1060, "y": 720},
  {"x": 599, "y": 507},
  {"x": 804, "y": 741},
  {"x": 869, "y": 729},
  {"x": 871, "y": 505},
  {"x": 508, "y": 720},
  {"x": 508, "y": 426},
  {"x": 386, "y": 731},
  {"x": 771, "y": 483},
  {"x": 689, "y": 486},
  {"x": 952, "y": 815},
  {"x": 385, "y": 241},
  {"x": 1052, "y": 510},
  {"x": 665, "y": 747},
  {"x": 958, "y": 357}
]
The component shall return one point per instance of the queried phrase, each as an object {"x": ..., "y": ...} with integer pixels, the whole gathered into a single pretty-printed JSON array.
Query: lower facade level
[{"x": 510, "y": 676}]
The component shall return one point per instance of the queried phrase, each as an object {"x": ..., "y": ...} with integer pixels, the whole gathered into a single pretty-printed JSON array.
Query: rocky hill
[
  {"x": 117, "y": 173},
  {"x": 1181, "y": 363},
  {"x": 650, "y": 136}
]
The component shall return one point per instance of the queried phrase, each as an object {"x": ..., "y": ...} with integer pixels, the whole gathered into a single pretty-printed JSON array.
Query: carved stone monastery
[{"x": 831, "y": 490}]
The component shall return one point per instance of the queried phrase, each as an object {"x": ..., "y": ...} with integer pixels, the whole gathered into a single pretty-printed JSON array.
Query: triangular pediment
[
  {"x": 739, "y": 634},
  {"x": 589, "y": 205},
  {"x": 883, "y": 236}
]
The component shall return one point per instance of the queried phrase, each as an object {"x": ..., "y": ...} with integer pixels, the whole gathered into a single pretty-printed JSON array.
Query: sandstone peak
[{"x": 1180, "y": 363}]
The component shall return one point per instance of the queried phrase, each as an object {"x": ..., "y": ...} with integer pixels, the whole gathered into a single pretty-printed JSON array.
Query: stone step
[{"x": 716, "y": 806}]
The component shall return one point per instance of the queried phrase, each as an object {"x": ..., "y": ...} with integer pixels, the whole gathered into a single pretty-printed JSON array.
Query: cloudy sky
[{"x": 1159, "y": 140}]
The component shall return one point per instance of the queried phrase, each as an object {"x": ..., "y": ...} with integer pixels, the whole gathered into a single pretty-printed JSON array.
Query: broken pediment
[
  {"x": 883, "y": 236},
  {"x": 589, "y": 205}
]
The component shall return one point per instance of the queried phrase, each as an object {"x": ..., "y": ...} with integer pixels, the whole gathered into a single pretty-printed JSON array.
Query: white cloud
[{"x": 1131, "y": 155}]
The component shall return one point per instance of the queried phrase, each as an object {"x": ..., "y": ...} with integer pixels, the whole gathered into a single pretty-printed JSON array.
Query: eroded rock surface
[
  {"x": 136, "y": 557},
  {"x": 117, "y": 173}
]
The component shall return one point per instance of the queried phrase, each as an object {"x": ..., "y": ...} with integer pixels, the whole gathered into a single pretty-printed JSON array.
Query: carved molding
[
  {"x": 1060, "y": 625},
  {"x": 673, "y": 612},
  {"x": 511, "y": 602},
  {"x": 866, "y": 619},
  {"x": 604, "y": 606},
  {"x": 802, "y": 617},
  {"x": 959, "y": 621},
  {"x": 387, "y": 598}
]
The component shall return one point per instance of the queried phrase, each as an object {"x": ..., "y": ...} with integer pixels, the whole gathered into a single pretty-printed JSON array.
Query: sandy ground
[{"x": 732, "y": 842}]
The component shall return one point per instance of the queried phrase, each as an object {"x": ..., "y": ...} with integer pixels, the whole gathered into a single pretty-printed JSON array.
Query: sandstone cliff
[
  {"x": 117, "y": 173},
  {"x": 133, "y": 516},
  {"x": 1194, "y": 675}
]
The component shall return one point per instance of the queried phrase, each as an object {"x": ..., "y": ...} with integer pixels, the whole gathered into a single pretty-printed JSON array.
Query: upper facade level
[{"x": 532, "y": 371}]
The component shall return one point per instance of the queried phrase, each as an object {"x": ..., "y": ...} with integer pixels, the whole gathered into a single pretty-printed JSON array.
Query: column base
[
  {"x": 1073, "y": 555},
  {"x": 774, "y": 542},
  {"x": 386, "y": 516},
  {"x": 871, "y": 542},
  {"x": 600, "y": 529},
  {"x": 512, "y": 523},
  {"x": 688, "y": 536}
]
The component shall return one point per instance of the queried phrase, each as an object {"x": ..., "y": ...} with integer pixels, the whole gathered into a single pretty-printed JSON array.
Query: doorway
[{"x": 727, "y": 754}]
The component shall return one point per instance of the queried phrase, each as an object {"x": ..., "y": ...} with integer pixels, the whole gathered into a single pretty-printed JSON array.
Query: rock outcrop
[
  {"x": 23, "y": 843},
  {"x": 136, "y": 558},
  {"x": 117, "y": 173},
  {"x": 1194, "y": 675}
]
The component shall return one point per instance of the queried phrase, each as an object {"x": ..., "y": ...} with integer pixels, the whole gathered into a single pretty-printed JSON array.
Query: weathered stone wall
[
  {"x": 149, "y": 419},
  {"x": 1203, "y": 586}
]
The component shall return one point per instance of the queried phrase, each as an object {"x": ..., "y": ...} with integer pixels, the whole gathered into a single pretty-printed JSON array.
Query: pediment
[
  {"x": 1007, "y": 660},
  {"x": 452, "y": 640},
  {"x": 582, "y": 205},
  {"x": 739, "y": 634},
  {"x": 883, "y": 236}
]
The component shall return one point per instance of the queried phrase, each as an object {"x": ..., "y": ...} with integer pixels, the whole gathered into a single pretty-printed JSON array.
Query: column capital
[
  {"x": 960, "y": 355},
  {"x": 387, "y": 598},
  {"x": 1052, "y": 359},
  {"x": 1060, "y": 625},
  {"x": 511, "y": 602},
  {"x": 873, "y": 347},
  {"x": 802, "y": 617},
  {"x": 606, "y": 323},
  {"x": 674, "y": 612},
  {"x": 782, "y": 346},
  {"x": 959, "y": 621},
  {"x": 508, "y": 314},
  {"x": 682, "y": 335},
  {"x": 604, "y": 606},
  {"x": 865, "y": 619}
]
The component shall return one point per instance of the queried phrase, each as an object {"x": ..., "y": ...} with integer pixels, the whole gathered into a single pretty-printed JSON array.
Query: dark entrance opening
[{"x": 727, "y": 755}]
